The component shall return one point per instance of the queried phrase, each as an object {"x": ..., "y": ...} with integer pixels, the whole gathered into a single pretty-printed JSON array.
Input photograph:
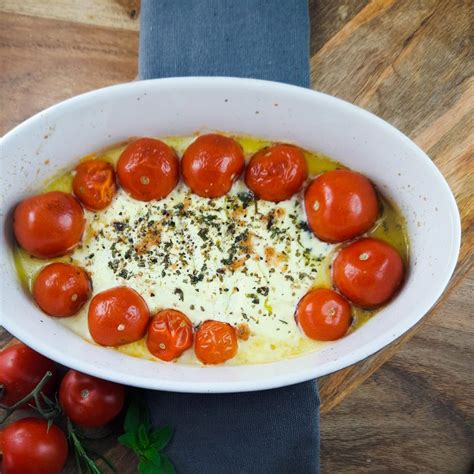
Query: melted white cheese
[{"x": 232, "y": 259}]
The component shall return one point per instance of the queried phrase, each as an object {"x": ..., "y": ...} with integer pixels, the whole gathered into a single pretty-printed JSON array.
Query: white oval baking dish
[{"x": 180, "y": 106}]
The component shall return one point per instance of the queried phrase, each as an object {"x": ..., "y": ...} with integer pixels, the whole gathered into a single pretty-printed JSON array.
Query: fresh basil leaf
[
  {"x": 130, "y": 440},
  {"x": 132, "y": 418},
  {"x": 143, "y": 437},
  {"x": 160, "y": 438},
  {"x": 166, "y": 466},
  {"x": 147, "y": 467},
  {"x": 146, "y": 444},
  {"x": 153, "y": 456}
]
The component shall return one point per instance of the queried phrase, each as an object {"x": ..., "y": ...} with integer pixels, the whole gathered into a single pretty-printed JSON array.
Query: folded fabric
[
  {"x": 267, "y": 432},
  {"x": 263, "y": 39},
  {"x": 272, "y": 431}
]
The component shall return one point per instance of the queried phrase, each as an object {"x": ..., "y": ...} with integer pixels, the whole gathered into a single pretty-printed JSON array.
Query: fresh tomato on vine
[
  {"x": 89, "y": 401},
  {"x": 21, "y": 369},
  {"x": 30, "y": 446}
]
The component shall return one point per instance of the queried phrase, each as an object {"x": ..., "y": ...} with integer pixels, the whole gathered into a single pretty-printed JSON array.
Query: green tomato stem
[{"x": 33, "y": 394}]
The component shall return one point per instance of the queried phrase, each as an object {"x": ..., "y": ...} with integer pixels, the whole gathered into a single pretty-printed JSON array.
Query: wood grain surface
[{"x": 409, "y": 62}]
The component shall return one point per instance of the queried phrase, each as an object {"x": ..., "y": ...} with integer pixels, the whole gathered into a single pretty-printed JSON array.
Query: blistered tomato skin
[
  {"x": 148, "y": 169},
  {"x": 211, "y": 164},
  {"x": 170, "y": 333},
  {"x": 61, "y": 289},
  {"x": 30, "y": 446},
  {"x": 89, "y": 401},
  {"x": 21, "y": 369},
  {"x": 324, "y": 315},
  {"x": 94, "y": 184},
  {"x": 49, "y": 225},
  {"x": 215, "y": 342},
  {"x": 276, "y": 173},
  {"x": 118, "y": 316},
  {"x": 368, "y": 272},
  {"x": 340, "y": 205}
]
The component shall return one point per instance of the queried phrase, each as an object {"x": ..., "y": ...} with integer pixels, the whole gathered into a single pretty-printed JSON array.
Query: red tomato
[
  {"x": 323, "y": 314},
  {"x": 118, "y": 316},
  {"x": 148, "y": 169},
  {"x": 277, "y": 172},
  {"x": 211, "y": 164},
  {"x": 215, "y": 342},
  {"x": 170, "y": 333},
  {"x": 94, "y": 184},
  {"x": 368, "y": 272},
  {"x": 61, "y": 289},
  {"x": 89, "y": 401},
  {"x": 30, "y": 447},
  {"x": 21, "y": 369},
  {"x": 340, "y": 205},
  {"x": 49, "y": 225}
]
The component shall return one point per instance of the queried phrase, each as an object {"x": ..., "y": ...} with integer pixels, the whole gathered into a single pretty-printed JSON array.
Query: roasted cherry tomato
[
  {"x": 30, "y": 446},
  {"x": 94, "y": 184},
  {"x": 277, "y": 172},
  {"x": 323, "y": 314},
  {"x": 118, "y": 316},
  {"x": 211, "y": 164},
  {"x": 49, "y": 225},
  {"x": 340, "y": 205},
  {"x": 170, "y": 333},
  {"x": 215, "y": 342},
  {"x": 368, "y": 272},
  {"x": 61, "y": 289},
  {"x": 148, "y": 169},
  {"x": 89, "y": 401},
  {"x": 21, "y": 369}
]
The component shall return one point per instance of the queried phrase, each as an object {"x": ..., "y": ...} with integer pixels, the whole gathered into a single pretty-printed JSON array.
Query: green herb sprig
[{"x": 146, "y": 442}]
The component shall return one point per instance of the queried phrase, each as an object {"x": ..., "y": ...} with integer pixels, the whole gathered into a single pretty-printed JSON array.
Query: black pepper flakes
[{"x": 179, "y": 292}]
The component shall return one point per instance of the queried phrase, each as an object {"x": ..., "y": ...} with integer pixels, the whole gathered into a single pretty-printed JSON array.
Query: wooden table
[{"x": 407, "y": 62}]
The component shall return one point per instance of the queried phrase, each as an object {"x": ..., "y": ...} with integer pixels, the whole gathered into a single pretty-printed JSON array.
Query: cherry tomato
[
  {"x": 170, "y": 333},
  {"x": 21, "y": 369},
  {"x": 277, "y": 172},
  {"x": 368, "y": 272},
  {"x": 148, "y": 169},
  {"x": 340, "y": 205},
  {"x": 61, "y": 289},
  {"x": 94, "y": 184},
  {"x": 118, "y": 316},
  {"x": 215, "y": 342},
  {"x": 89, "y": 401},
  {"x": 49, "y": 225},
  {"x": 323, "y": 314},
  {"x": 211, "y": 164},
  {"x": 29, "y": 446}
]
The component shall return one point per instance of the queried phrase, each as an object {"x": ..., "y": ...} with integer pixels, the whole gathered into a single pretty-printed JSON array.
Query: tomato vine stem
[{"x": 34, "y": 394}]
